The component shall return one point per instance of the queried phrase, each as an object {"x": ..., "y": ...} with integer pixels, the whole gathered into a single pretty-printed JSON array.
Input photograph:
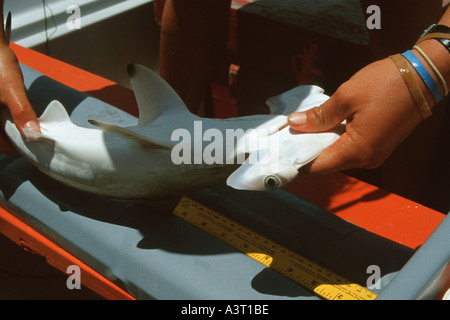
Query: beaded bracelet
[
  {"x": 424, "y": 74},
  {"x": 412, "y": 85}
]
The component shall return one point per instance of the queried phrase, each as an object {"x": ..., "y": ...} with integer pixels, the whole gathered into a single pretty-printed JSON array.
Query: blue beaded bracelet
[{"x": 424, "y": 74}]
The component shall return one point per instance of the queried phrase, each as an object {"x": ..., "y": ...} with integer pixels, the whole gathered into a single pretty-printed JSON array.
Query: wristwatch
[{"x": 438, "y": 28}]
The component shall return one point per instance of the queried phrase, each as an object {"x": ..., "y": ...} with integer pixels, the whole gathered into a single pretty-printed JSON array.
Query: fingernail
[
  {"x": 32, "y": 125},
  {"x": 297, "y": 119}
]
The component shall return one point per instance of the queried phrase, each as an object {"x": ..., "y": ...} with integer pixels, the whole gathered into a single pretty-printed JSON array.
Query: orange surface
[
  {"x": 369, "y": 207},
  {"x": 386, "y": 214},
  {"x": 78, "y": 79}
]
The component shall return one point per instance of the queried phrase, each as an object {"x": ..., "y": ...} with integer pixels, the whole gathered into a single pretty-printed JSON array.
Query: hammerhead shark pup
[{"x": 170, "y": 151}]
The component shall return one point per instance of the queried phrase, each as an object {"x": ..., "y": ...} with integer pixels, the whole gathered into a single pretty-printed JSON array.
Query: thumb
[
  {"x": 23, "y": 115},
  {"x": 318, "y": 119}
]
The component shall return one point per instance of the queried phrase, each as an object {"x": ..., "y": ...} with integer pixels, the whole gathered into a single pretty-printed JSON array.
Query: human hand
[
  {"x": 13, "y": 92},
  {"x": 13, "y": 96},
  {"x": 380, "y": 114}
]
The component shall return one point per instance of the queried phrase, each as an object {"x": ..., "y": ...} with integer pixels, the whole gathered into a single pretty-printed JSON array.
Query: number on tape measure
[{"x": 305, "y": 272}]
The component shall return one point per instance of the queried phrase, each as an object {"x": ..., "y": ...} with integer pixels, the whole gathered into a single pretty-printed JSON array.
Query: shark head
[
  {"x": 268, "y": 172},
  {"x": 279, "y": 155}
]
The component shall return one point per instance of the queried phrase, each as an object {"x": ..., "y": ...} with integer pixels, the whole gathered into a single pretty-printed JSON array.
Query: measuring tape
[{"x": 308, "y": 274}]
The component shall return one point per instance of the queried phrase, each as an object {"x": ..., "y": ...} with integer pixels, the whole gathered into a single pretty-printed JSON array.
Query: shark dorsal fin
[
  {"x": 154, "y": 95},
  {"x": 129, "y": 135},
  {"x": 7, "y": 30}
]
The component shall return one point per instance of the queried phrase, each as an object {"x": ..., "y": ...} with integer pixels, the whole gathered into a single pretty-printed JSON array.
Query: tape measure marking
[{"x": 305, "y": 272}]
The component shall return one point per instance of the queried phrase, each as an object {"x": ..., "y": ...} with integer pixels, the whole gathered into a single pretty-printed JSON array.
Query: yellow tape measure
[{"x": 308, "y": 274}]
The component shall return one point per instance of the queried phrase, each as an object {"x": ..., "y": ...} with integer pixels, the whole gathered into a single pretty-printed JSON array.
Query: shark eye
[{"x": 272, "y": 182}]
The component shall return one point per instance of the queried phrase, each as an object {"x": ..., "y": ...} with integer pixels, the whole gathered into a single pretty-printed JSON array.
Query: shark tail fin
[
  {"x": 154, "y": 95},
  {"x": 129, "y": 135}
]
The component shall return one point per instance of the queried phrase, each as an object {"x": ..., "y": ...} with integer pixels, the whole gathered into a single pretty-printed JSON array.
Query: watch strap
[{"x": 438, "y": 32}]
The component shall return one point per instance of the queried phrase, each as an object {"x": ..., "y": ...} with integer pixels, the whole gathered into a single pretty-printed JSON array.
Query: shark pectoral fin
[
  {"x": 55, "y": 112},
  {"x": 129, "y": 135},
  {"x": 36, "y": 136}
]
